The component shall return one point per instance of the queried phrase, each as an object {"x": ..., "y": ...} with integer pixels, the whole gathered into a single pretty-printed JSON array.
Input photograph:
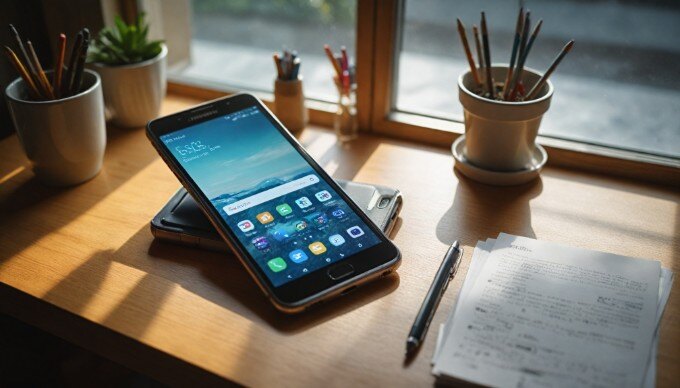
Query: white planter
[
  {"x": 133, "y": 93},
  {"x": 64, "y": 139},
  {"x": 501, "y": 135}
]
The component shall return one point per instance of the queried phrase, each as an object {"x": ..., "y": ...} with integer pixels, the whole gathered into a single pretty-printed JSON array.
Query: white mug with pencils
[
  {"x": 504, "y": 104},
  {"x": 58, "y": 114}
]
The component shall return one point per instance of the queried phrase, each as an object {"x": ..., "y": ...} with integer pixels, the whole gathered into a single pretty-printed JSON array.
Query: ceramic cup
[
  {"x": 64, "y": 139},
  {"x": 289, "y": 104},
  {"x": 134, "y": 93},
  {"x": 500, "y": 135}
]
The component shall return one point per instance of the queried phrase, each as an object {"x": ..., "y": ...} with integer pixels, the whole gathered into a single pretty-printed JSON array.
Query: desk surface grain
[{"x": 82, "y": 263}]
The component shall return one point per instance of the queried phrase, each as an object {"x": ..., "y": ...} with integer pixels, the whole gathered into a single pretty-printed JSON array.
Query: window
[
  {"x": 618, "y": 87},
  {"x": 233, "y": 41}
]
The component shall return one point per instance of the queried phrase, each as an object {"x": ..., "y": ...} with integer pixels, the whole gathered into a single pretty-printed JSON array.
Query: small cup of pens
[
  {"x": 503, "y": 107},
  {"x": 345, "y": 121},
  {"x": 289, "y": 98},
  {"x": 58, "y": 114}
]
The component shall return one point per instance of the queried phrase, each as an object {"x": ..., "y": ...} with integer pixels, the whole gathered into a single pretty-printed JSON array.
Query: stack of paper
[{"x": 533, "y": 313}]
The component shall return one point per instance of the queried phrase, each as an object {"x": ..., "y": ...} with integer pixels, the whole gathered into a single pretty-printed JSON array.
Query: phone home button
[{"x": 340, "y": 271}]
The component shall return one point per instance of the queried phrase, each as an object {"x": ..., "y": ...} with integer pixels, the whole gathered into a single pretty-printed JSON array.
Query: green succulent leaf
[{"x": 124, "y": 44}]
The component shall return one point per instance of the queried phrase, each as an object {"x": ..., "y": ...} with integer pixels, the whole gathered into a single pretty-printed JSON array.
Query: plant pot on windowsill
[
  {"x": 133, "y": 93},
  {"x": 499, "y": 146}
]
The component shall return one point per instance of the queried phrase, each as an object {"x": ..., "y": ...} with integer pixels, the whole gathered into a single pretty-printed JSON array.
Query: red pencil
[{"x": 59, "y": 66}]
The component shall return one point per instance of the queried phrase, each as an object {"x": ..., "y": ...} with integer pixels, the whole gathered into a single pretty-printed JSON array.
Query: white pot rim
[
  {"x": 161, "y": 55},
  {"x": 13, "y": 84},
  {"x": 481, "y": 99}
]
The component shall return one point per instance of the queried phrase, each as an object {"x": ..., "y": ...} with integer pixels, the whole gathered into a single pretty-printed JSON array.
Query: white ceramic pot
[
  {"x": 500, "y": 135},
  {"x": 133, "y": 93},
  {"x": 64, "y": 139}
]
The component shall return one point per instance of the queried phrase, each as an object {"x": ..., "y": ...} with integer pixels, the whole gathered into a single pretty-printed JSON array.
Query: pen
[{"x": 446, "y": 272}]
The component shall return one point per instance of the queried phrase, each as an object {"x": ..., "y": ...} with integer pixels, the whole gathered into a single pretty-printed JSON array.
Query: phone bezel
[{"x": 308, "y": 288}]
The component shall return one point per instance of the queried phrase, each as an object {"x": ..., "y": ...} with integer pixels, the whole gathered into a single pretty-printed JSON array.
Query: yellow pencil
[
  {"x": 468, "y": 53},
  {"x": 32, "y": 89},
  {"x": 41, "y": 74}
]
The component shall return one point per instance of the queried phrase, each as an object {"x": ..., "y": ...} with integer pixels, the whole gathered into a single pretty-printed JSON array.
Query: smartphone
[
  {"x": 181, "y": 220},
  {"x": 299, "y": 235}
]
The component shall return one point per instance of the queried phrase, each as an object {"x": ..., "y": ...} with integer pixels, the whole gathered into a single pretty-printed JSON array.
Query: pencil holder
[
  {"x": 501, "y": 135},
  {"x": 289, "y": 104},
  {"x": 64, "y": 139},
  {"x": 345, "y": 122}
]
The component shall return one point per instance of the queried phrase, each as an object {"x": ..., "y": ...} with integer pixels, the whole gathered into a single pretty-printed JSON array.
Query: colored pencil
[
  {"x": 468, "y": 54},
  {"x": 279, "y": 68},
  {"x": 80, "y": 63},
  {"x": 331, "y": 57},
  {"x": 519, "y": 69},
  {"x": 345, "y": 58},
  {"x": 534, "y": 34},
  {"x": 45, "y": 84},
  {"x": 32, "y": 89},
  {"x": 478, "y": 47},
  {"x": 27, "y": 59},
  {"x": 70, "y": 70},
  {"x": 513, "y": 55},
  {"x": 296, "y": 68},
  {"x": 487, "y": 58},
  {"x": 59, "y": 66},
  {"x": 539, "y": 85}
]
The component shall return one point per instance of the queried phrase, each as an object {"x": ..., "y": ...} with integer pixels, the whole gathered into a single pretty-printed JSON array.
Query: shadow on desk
[
  {"x": 22, "y": 194},
  {"x": 496, "y": 209},
  {"x": 225, "y": 282},
  {"x": 217, "y": 277}
]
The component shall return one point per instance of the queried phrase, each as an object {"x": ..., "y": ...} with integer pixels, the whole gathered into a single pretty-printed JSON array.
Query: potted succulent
[{"x": 133, "y": 72}]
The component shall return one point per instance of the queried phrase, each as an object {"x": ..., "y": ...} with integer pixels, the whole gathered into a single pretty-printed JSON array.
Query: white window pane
[
  {"x": 233, "y": 41},
  {"x": 619, "y": 86}
]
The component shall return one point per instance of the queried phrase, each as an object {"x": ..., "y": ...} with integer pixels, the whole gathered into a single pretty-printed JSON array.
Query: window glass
[
  {"x": 618, "y": 87},
  {"x": 233, "y": 41}
]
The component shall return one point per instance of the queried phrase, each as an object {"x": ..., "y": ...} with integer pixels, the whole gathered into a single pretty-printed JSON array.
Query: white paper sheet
[
  {"x": 477, "y": 262},
  {"x": 539, "y": 313}
]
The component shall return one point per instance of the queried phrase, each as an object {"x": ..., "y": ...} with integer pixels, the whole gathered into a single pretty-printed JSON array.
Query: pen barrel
[{"x": 435, "y": 293}]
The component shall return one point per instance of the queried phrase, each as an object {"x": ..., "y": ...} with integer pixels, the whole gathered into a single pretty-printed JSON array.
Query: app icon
[
  {"x": 338, "y": 213},
  {"x": 355, "y": 232},
  {"x": 317, "y": 248},
  {"x": 261, "y": 243},
  {"x": 336, "y": 240},
  {"x": 265, "y": 217},
  {"x": 246, "y": 226},
  {"x": 303, "y": 202},
  {"x": 277, "y": 264},
  {"x": 318, "y": 219},
  {"x": 284, "y": 209},
  {"x": 298, "y": 256},
  {"x": 300, "y": 225},
  {"x": 323, "y": 196},
  {"x": 280, "y": 234}
]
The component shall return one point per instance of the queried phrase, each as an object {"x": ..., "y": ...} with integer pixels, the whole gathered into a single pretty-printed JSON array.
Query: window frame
[
  {"x": 378, "y": 38},
  {"x": 441, "y": 132}
]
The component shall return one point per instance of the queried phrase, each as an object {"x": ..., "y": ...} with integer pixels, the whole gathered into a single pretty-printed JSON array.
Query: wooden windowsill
[{"x": 441, "y": 133}]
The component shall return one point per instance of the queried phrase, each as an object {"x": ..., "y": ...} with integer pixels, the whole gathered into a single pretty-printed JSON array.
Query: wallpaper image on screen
[{"x": 289, "y": 220}]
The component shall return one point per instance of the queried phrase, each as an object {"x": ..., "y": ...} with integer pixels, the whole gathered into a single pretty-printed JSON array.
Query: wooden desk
[{"x": 81, "y": 263}]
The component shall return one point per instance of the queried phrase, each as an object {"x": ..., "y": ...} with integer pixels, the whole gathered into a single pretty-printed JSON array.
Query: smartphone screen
[{"x": 286, "y": 216}]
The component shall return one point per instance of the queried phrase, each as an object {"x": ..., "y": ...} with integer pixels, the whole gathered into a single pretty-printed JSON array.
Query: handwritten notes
[{"x": 533, "y": 313}]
